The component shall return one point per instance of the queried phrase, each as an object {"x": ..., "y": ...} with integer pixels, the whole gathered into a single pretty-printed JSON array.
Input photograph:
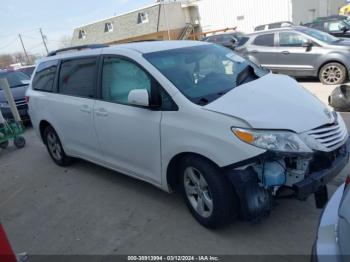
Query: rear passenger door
[
  {"x": 262, "y": 51},
  {"x": 72, "y": 109}
]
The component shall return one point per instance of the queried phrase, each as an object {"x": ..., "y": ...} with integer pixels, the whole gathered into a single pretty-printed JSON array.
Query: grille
[{"x": 330, "y": 136}]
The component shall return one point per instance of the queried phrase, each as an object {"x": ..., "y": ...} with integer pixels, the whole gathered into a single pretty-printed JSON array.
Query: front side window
[
  {"x": 292, "y": 39},
  {"x": 321, "y": 36},
  {"x": 204, "y": 73},
  {"x": 264, "y": 40},
  {"x": 78, "y": 77},
  {"x": 119, "y": 77},
  {"x": 45, "y": 76},
  {"x": 335, "y": 26}
]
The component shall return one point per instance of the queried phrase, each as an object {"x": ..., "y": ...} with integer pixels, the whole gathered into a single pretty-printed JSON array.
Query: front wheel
[
  {"x": 333, "y": 74},
  {"x": 207, "y": 193}
]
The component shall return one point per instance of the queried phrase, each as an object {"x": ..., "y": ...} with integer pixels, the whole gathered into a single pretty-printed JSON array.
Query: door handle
[
  {"x": 255, "y": 51},
  {"x": 101, "y": 112},
  {"x": 285, "y": 52},
  {"x": 85, "y": 109}
]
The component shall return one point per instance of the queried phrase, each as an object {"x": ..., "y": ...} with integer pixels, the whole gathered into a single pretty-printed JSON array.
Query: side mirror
[
  {"x": 344, "y": 29},
  {"x": 308, "y": 44},
  {"x": 138, "y": 97}
]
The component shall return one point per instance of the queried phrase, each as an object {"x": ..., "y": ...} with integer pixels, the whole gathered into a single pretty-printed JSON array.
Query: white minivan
[{"x": 189, "y": 116}]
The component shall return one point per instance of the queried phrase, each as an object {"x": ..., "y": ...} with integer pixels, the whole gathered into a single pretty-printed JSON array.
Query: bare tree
[{"x": 6, "y": 60}]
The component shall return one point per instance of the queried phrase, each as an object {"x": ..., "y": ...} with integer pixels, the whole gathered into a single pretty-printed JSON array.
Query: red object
[
  {"x": 26, "y": 99},
  {"x": 347, "y": 181},
  {"x": 6, "y": 252}
]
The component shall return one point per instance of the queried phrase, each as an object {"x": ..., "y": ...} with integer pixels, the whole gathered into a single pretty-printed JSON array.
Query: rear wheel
[
  {"x": 55, "y": 148},
  {"x": 19, "y": 142},
  {"x": 207, "y": 193},
  {"x": 333, "y": 74}
]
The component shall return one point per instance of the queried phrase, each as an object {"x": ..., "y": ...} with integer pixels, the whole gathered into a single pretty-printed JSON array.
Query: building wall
[
  {"x": 306, "y": 10},
  {"x": 126, "y": 26},
  {"x": 245, "y": 14}
]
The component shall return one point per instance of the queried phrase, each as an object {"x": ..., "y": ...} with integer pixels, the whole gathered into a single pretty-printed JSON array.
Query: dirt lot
[{"x": 86, "y": 209}]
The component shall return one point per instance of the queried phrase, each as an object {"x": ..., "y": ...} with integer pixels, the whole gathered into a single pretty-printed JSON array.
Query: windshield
[
  {"x": 206, "y": 72},
  {"x": 16, "y": 79},
  {"x": 319, "y": 35}
]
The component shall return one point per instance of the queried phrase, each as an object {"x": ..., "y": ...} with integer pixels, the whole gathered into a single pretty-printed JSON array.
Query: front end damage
[{"x": 260, "y": 181}]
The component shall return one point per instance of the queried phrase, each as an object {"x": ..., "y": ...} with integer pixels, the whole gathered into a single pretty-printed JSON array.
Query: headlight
[
  {"x": 282, "y": 141},
  {"x": 4, "y": 105}
]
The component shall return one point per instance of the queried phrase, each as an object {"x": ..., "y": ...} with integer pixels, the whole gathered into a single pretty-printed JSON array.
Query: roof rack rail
[{"x": 77, "y": 48}]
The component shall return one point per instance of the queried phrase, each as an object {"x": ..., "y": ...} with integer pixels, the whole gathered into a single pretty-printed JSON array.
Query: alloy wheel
[
  {"x": 54, "y": 146},
  {"x": 198, "y": 192},
  {"x": 332, "y": 74}
]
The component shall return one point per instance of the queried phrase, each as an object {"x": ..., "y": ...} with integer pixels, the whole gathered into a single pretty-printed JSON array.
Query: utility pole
[
  {"x": 44, "y": 42},
  {"x": 166, "y": 19},
  {"x": 24, "y": 49}
]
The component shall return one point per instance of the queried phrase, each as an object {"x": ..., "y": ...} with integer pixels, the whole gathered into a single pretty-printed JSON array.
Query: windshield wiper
[
  {"x": 246, "y": 75},
  {"x": 203, "y": 101}
]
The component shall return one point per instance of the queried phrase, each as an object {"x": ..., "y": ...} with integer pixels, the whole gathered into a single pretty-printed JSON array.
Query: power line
[{"x": 10, "y": 43}]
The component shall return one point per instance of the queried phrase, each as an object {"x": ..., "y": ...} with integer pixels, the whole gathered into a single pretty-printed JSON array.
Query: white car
[{"x": 191, "y": 116}]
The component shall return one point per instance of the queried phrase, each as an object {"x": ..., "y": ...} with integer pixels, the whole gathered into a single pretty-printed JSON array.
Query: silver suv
[{"x": 300, "y": 52}]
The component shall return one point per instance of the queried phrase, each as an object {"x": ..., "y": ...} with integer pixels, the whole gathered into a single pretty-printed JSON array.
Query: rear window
[
  {"x": 45, "y": 76},
  {"x": 264, "y": 40},
  {"x": 16, "y": 79},
  {"x": 78, "y": 77}
]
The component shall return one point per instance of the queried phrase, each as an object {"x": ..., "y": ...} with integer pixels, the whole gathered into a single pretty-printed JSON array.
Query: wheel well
[
  {"x": 43, "y": 124},
  {"x": 172, "y": 175},
  {"x": 332, "y": 61}
]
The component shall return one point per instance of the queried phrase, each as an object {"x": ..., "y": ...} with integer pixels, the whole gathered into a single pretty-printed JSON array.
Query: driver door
[
  {"x": 293, "y": 57},
  {"x": 129, "y": 135}
]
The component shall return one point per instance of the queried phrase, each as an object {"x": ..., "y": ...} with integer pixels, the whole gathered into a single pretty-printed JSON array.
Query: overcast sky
[{"x": 57, "y": 18}]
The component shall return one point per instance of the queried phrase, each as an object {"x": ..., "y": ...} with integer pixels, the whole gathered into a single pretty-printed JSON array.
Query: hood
[
  {"x": 273, "y": 102},
  {"x": 17, "y": 92}
]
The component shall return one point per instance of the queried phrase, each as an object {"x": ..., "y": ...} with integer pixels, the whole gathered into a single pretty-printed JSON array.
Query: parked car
[
  {"x": 18, "y": 82},
  {"x": 229, "y": 40},
  {"x": 333, "y": 234},
  {"x": 28, "y": 70},
  {"x": 300, "y": 52},
  {"x": 189, "y": 116},
  {"x": 273, "y": 26},
  {"x": 338, "y": 27}
]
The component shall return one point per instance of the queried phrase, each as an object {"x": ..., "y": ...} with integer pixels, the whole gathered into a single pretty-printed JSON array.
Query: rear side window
[
  {"x": 264, "y": 40},
  {"x": 260, "y": 28},
  {"x": 45, "y": 76},
  {"x": 318, "y": 26},
  {"x": 78, "y": 77},
  {"x": 274, "y": 26}
]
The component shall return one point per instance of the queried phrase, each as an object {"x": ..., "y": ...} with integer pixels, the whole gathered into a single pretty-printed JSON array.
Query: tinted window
[
  {"x": 119, "y": 77},
  {"x": 228, "y": 39},
  {"x": 335, "y": 26},
  {"x": 292, "y": 39},
  {"x": 264, "y": 40},
  {"x": 78, "y": 77},
  {"x": 276, "y": 25},
  {"x": 45, "y": 76},
  {"x": 318, "y": 26},
  {"x": 16, "y": 79},
  {"x": 260, "y": 28}
]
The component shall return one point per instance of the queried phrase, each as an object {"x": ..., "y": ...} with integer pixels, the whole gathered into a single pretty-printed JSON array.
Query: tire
[
  {"x": 54, "y": 147},
  {"x": 19, "y": 142},
  {"x": 208, "y": 195},
  {"x": 333, "y": 74},
  {"x": 4, "y": 145}
]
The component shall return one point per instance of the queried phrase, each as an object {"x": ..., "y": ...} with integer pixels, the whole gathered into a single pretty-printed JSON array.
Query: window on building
[
  {"x": 119, "y": 77},
  {"x": 142, "y": 18},
  {"x": 292, "y": 39},
  {"x": 108, "y": 27},
  {"x": 264, "y": 40},
  {"x": 78, "y": 77},
  {"x": 45, "y": 76},
  {"x": 82, "y": 34}
]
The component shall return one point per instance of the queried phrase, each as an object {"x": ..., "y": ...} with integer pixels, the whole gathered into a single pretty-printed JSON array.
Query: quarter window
[
  {"x": 292, "y": 39},
  {"x": 119, "y": 77},
  {"x": 264, "y": 40},
  {"x": 78, "y": 77},
  {"x": 45, "y": 76}
]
